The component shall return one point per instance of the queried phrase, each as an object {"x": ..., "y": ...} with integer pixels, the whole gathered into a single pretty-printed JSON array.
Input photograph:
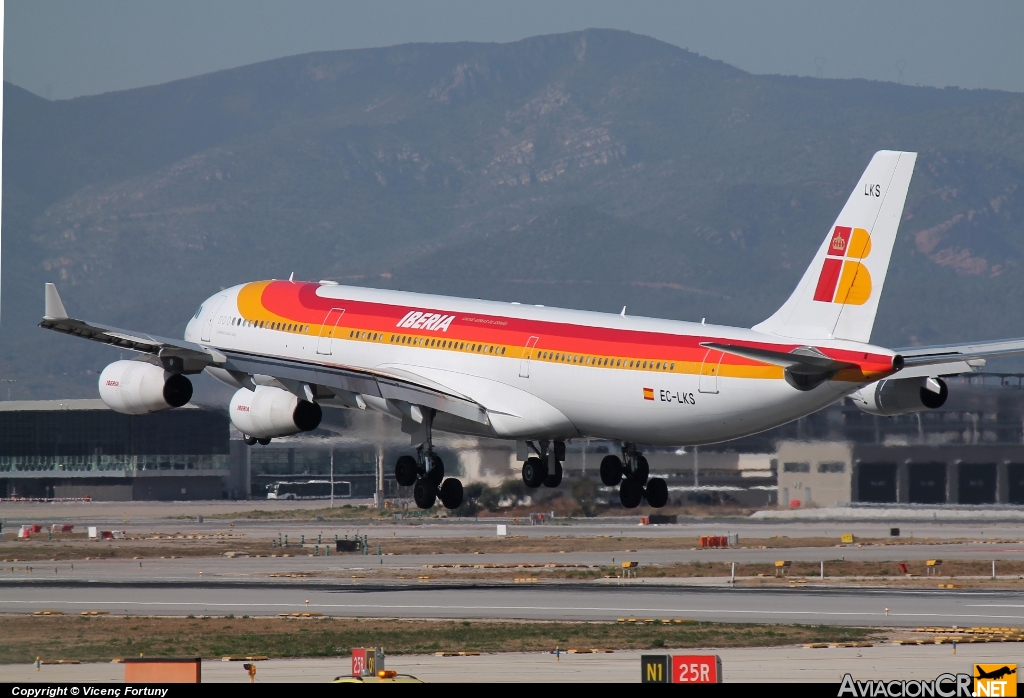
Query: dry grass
[
  {"x": 212, "y": 545},
  {"x": 102, "y": 638}
]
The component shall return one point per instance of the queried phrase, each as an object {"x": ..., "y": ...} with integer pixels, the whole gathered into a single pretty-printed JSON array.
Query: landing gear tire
[
  {"x": 611, "y": 471},
  {"x": 264, "y": 441},
  {"x": 534, "y": 472},
  {"x": 249, "y": 440},
  {"x": 451, "y": 493},
  {"x": 436, "y": 472},
  {"x": 643, "y": 470},
  {"x": 405, "y": 471},
  {"x": 424, "y": 493},
  {"x": 630, "y": 493},
  {"x": 656, "y": 492},
  {"x": 554, "y": 479}
]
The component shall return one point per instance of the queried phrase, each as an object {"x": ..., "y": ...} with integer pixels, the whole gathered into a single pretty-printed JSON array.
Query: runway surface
[{"x": 575, "y": 602}]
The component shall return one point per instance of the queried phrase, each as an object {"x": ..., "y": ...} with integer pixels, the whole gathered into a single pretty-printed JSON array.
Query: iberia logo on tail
[{"x": 842, "y": 279}]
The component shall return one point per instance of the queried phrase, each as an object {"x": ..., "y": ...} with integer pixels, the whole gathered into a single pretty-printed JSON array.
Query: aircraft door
[
  {"x": 327, "y": 331},
  {"x": 211, "y": 317},
  {"x": 524, "y": 365},
  {"x": 709, "y": 372}
]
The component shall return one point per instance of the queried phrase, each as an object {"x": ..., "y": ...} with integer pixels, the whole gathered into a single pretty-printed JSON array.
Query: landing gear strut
[
  {"x": 425, "y": 473},
  {"x": 631, "y": 474},
  {"x": 546, "y": 467}
]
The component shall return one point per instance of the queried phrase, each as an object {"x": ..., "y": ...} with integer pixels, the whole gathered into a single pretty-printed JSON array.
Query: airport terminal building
[
  {"x": 969, "y": 452},
  {"x": 81, "y": 448}
]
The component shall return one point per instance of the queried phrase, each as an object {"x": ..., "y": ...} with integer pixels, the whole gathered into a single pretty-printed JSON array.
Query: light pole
[{"x": 9, "y": 382}]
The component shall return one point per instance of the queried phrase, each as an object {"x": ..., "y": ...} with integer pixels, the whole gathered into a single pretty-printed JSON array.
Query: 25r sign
[{"x": 695, "y": 668}]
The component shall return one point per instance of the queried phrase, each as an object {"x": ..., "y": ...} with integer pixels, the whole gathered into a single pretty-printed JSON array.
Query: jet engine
[
  {"x": 137, "y": 387},
  {"x": 268, "y": 412},
  {"x": 896, "y": 396}
]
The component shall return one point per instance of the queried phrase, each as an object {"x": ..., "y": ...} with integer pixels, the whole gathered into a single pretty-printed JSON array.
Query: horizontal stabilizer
[
  {"x": 973, "y": 353},
  {"x": 802, "y": 360}
]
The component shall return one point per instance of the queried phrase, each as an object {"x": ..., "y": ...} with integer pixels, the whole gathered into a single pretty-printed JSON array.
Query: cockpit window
[{"x": 199, "y": 312}]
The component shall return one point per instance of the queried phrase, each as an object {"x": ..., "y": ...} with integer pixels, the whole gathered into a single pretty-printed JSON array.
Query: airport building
[
  {"x": 82, "y": 448},
  {"x": 969, "y": 452}
]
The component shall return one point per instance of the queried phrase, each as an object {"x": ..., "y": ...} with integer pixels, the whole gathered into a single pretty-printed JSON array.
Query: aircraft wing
[
  {"x": 188, "y": 357},
  {"x": 175, "y": 354},
  {"x": 972, "y": 354},
  {"x": 293, "y": 374}
]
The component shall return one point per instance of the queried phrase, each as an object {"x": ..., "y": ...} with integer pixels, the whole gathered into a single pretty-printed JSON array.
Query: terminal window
[
  {"x": 832, "y": 467},
  {"x": 796, "y": 467}
]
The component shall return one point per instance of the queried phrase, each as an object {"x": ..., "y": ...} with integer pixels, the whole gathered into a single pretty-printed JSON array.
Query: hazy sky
[{"x": 67, "y": 48}]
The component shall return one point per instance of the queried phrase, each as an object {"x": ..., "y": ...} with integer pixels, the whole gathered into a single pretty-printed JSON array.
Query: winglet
[{"x": 54, "y": 307}]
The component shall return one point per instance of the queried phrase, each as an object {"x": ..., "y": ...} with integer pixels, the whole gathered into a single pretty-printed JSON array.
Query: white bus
[{"x": 310, "y": 489}]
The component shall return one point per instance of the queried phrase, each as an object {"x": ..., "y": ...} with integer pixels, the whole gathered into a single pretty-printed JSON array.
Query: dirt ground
[
  {"x": 102, "y": 638},
  {"x": 170, "y": 544}
]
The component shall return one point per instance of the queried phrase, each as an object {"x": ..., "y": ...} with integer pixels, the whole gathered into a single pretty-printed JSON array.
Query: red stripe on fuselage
[{"x": 299, "y": 302}]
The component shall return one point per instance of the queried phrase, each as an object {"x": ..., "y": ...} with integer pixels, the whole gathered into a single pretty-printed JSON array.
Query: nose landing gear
[
  {"x": 425, "y": 473},
  {"x": 632, "y": 474}
]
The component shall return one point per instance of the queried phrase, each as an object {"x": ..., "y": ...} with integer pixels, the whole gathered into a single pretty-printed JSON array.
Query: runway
[{"x": 566, "y": 601}]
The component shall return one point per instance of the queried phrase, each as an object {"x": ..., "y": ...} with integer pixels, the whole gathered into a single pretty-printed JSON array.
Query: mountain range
[{"x": 595, "y": 170}]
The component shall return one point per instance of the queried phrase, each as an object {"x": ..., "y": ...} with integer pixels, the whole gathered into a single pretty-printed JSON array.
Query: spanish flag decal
[{"x": 648, "y": 393}]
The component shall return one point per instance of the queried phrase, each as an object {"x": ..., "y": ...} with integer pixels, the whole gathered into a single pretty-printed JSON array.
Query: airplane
[
  {"x": 995, "y": 674},
  {"x": 542, "y": 376}
]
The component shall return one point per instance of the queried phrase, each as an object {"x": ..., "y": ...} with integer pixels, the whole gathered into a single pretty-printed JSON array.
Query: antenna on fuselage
[
  {"x": 623, "y": 313},
  {"x": 291, "y": 277}
]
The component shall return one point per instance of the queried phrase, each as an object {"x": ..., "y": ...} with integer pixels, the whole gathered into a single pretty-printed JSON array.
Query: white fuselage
[{"x": 539, "y": 372}]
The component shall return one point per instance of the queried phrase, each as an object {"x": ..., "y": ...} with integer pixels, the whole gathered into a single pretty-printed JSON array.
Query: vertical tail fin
[{"x": 838, "y": 294}]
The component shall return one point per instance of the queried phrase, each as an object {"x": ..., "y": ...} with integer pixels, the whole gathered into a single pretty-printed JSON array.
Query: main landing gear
[
  {"x": 631, "y": 473},
  {"x": 545, "y": 468},
  {"x": 425, "y": 473}
]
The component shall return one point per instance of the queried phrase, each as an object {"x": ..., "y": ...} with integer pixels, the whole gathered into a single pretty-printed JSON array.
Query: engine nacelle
[
  {"x": 268, "y": 412},
  {"x": 896, "y": 396},
  {"x": 137, "y": 387}
]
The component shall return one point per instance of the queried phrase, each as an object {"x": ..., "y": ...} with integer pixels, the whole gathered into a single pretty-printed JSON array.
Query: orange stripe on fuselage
[{"x": 292, "y": 302}]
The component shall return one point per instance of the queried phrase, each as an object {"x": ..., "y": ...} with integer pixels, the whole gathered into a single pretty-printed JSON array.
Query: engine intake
[
  {"x": 268, "y": 412},
  {"x": 896, "y": 396},
  {"x": 136, "y": 387}
]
